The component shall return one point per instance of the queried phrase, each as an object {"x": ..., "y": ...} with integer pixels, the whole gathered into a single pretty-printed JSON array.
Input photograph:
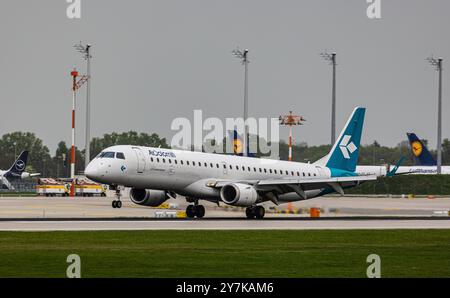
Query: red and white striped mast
[
  {"x": 75, "y": 86},
  {"x": 291, "y": 120}
]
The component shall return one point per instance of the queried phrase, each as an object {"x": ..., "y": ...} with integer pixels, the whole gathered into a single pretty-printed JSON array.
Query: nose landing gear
[
  {"x": 257, "y": 212},
  {"x": 117, "y": 203}
]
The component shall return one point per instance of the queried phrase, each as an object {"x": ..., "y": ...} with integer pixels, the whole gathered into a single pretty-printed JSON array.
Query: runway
[
  {"x": 83, "y": 214},
  {"x": 225, "y": 224}
]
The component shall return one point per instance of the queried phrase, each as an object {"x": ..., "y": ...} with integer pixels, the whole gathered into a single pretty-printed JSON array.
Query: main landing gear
[
  {"x": 195, "y": 211},
  {"x": 257, "y": 212},
  {"x": 117, "y": 203}
]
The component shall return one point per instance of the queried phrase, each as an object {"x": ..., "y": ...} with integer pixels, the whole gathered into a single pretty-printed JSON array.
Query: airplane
[
  {"x": 427, "y": 164},
  {"x": 156, "y": 174},
  {"x": 17, "y": 171}
]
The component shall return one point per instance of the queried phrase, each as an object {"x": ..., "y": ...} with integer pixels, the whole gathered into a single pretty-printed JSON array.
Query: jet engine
[
  {"x": 148, "y": 197},
  {"x": 239, "y": 194},
  {"x": 25, "y": 175}
]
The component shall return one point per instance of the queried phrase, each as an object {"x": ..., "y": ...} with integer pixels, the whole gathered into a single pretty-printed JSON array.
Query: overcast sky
[{"x": 157, "y": 60}]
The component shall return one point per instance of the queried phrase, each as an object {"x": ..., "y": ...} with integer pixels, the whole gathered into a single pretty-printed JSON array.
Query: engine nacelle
[
  {"x": 239, "y": 194},
  {"x": 148, "y": 197},
  {"x": 25, "y": 175}
]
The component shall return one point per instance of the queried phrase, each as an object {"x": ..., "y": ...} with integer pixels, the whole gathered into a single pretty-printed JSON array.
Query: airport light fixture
[
  {"x": 86, "y": 51},
  {"x": 437, "y": 63},
  {"x": 332, "y": 59},
  {"x": 77, "y": 81},
  {"x": 243, "y": 56},
  {"x": 291, "y": 120}
]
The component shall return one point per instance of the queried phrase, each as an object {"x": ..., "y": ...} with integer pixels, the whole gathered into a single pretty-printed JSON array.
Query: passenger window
[
  {"x": 193, "y": 163},
  {"x": 231, "y": 167},
  {"x": 211, "y": 165},
  {"x": 243, "y": 168},
  {"x": 224, "y": 166},
  {"x": 309, "y": 174},
  {"x": 176, "y": 162},
  {"x": 254, "y": 169},
  {"x": 287, "y": 173},
  {"x": 260, "y": 170},
  {"x": 157, "y": 159},
  {"x": 217, "y": 165},
  {"x": 164, "y": 160},
  {"x": 248, "y": 168},
  {"x": 206, "y": 165},
  {"x": 151, "y": 159},
  {"x": 265, "y": 170},
  {"x": 187, "y": 162},
  {"x": 181, "y": 161},
  {"x": 298, "y": 174},
  {"x": 170, "y": 161},
  {"x": 120, "y": 155},
  {"x": 275, "y": 171},
  {"x": 237, "y": 168},
  {"x": 270, "y": 170}
]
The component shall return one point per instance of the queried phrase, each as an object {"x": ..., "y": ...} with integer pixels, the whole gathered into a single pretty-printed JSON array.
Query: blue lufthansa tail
[
  {"x": 19, "y": 166},
  {"x": 420, "y": 151},
  {"x": 343, "y": 157}
]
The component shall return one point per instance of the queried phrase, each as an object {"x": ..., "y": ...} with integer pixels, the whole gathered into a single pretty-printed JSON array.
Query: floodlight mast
[
  {"x": 332, "y": 59},
  {"x": 243, "y": 56},
  {"x": 437, "y": 63},
  {"x": 86, "y": 51}
]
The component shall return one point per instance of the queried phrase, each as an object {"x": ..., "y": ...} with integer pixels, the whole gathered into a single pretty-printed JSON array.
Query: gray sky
[{"x": 157, "y": 60}]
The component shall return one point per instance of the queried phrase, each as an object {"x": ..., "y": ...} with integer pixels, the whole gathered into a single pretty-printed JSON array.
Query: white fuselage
[
  {"x": 188, "y": 173},
  {"x": 423, "y": 170}
]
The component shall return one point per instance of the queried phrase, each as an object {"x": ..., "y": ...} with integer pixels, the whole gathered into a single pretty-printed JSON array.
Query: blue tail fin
[
  {"x": 238, "y": 144},
  {"x": 19, "y": 165},
  {"x": 344, "y": 154},
  {"x": 420, "y": 151}
]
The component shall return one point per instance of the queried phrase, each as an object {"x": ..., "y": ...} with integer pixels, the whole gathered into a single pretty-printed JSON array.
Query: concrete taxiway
[{"x": 53, "y": 214}]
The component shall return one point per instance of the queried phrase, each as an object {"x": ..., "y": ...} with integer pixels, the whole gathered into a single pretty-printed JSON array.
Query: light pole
[
  {"x": 86, "y": 51},
  {"x": 438, "y": 64},
  {"x": 243, "y": 55},
  {"x": 332, "y": 59}
]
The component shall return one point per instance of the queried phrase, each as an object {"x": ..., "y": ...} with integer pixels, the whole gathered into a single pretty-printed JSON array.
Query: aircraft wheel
[
  {"x": 259, "y": 212},
  {"x": 190, "y": 211},
  {"x": 199, "y": 211},
  {"x": 119, "y": 204},
  {"x": 249, "y": 212},
  {"x": 114, "y": 204}
]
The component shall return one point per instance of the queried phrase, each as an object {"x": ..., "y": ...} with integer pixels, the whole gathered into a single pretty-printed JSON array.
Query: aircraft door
[{"x": 140, "y": 159}]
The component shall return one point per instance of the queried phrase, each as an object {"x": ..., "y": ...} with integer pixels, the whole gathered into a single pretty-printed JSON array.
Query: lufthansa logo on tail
[
  {"x": 346, "y": 147},
  {"x": 20, "y": 165},
  {"x": 416, "y": 147}
]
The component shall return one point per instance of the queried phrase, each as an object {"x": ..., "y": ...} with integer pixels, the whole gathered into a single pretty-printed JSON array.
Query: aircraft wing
[{"x": 281, "y": 186}]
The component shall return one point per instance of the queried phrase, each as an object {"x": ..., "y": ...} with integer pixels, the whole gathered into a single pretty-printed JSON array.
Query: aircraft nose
[{"x": 91, "y": 171}]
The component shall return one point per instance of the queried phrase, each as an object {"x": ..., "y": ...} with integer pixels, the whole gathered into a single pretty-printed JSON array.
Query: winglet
[{"x": 395, "y": 168}]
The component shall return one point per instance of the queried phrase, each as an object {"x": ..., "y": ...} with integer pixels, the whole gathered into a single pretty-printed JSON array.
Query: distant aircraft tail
[
  {"x": 420, "y": 151},
  {"x": 19, "y": 165},
  {"x": 343, "y": 156},
  {"x": 238, "y": 145}
]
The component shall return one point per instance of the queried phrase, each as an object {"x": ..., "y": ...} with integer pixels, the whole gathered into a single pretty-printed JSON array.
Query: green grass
[{"x": 404, "y": 253}]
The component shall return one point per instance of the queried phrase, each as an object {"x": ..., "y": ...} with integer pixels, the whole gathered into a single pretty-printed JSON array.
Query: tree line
[{"x": 57, "y": 164}]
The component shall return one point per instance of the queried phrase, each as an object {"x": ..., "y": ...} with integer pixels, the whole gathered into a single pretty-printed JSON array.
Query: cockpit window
[
  {"x": 120, "y": 155},
  {"x": 107, "y": 155}
]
